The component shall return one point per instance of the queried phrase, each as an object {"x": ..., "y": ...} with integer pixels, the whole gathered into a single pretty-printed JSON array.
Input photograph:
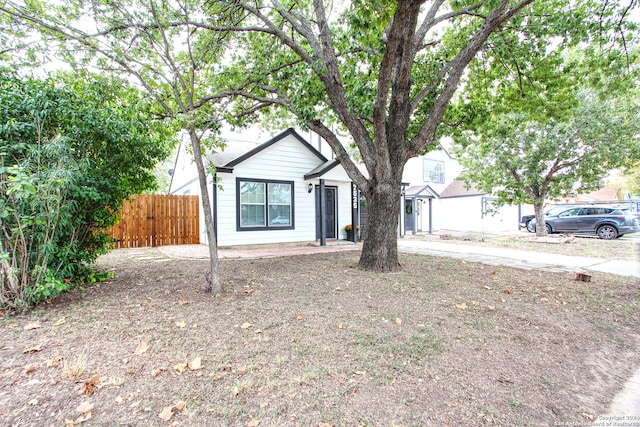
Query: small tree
[
  {"x": 168, "y": 48},
  {"x": 525, "y": 161}
]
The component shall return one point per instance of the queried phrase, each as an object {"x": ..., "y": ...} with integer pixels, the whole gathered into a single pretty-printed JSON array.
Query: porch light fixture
[{"x": 309, "y": 188}]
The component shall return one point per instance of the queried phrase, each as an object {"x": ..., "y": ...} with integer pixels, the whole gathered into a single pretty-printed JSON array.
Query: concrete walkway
[{"x": 518, "y": 258}]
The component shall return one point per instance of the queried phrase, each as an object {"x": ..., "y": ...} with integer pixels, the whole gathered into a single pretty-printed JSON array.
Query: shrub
[{"x": 72, "y": 150}]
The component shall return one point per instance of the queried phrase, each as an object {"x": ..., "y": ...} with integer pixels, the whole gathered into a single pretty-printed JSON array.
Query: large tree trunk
[
  {"x": 541, "y": 228},
  {"x": 216, "y": 283},
  {"x": 380, "y": 247}
]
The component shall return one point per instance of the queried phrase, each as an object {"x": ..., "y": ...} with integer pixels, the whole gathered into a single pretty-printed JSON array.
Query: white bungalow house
[
  {"x": 290, "y": 189},
  {"x": 436, "y": 201},
  {"x": 279, "y": 191}
]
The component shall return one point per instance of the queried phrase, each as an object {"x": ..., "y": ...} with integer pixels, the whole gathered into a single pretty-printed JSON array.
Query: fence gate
[{"x": 157, "y": 220}]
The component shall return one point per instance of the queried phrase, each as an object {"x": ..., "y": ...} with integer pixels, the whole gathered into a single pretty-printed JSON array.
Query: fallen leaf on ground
[
  {"x": 180, "y": 367},
  {"x": 31, "y": 326},
  {"x": 491, "y": 307},
  {"x": 462, "y": 305},
  {"x": 59, "y": 322},
  {"x": 33, "y": 349},
  {"x": 142, "y": 348},
  {"x": 398, "y": 320},
  {"x": 508, "y": 291},
  {"x": 90, "y": 386},
  {"x": 181, "y": 324},
  {"x": 488, "y": 287},
  {"x": 167, "y": 413},
  {"x": 156, "y": 372},
  {"x": 79, "y": 420},
  {"x": 119, "y": 400},
  {"x": 54, "y": 362},
  {"x": 195, "y": 364},
  {"x": 29, "y": 368},
  {"x": 253, "y": 423},
  {"x": 246, "y": 325},
  {"x": 299, "y": 317},
  {"x": 359, "y": 373},
  {"x": 85, "y": 407}
]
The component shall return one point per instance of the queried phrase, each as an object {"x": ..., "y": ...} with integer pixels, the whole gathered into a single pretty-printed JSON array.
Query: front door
[
  {"x": 408, "y": 215},
  {"x": 329, "y": 213}
]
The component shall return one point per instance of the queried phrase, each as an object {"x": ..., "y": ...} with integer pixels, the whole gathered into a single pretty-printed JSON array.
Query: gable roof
[
  {"x": 238, "y": 152},
  {"x": 459, "y": 188},
  {"x": 322, "y": 169},
  {"x": 420, "y": 190}
]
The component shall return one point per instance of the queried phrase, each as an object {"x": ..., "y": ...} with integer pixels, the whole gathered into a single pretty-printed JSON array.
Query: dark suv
[{"x": 607, "y": 222}]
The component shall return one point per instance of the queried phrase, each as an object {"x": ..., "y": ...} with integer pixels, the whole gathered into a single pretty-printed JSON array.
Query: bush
[{"x": 72, "y": 151}]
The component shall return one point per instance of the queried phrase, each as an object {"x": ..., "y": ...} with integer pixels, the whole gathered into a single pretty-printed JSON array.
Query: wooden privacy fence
[{"x": 157, "y": 220}]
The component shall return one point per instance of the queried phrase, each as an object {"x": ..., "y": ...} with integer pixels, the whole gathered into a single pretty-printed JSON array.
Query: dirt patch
[{"x": 307, "y": 340}]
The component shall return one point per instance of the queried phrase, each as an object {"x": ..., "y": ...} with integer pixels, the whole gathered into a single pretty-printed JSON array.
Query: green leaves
[
  {"x": 522, "y": 160},
  {"x": 75, "y": 148}
]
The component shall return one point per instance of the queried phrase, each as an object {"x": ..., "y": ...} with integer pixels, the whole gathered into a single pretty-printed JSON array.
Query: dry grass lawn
[{"x": 312, "y": 341}]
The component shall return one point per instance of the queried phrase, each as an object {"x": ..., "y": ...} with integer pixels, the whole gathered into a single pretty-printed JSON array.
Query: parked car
[
  {"x": 526, "y": 220},
  {"x": 608, "y": 222}
]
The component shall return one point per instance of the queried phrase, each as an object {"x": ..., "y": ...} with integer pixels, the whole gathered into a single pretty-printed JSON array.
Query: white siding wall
[
  {"x": 413, "y": 170},
  {"x": 286, "y": 160},
  {"x": 465, "y": 214}
]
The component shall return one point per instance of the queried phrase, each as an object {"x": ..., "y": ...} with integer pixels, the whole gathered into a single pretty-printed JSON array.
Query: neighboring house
[
  {"x": 271, "y": 192},
  {"x": 435, "y": 200},
  {"x": 605, "y": 194}
]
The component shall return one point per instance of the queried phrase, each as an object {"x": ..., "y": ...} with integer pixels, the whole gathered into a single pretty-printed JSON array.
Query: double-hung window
[
  {"x": 433, "y": 171},
  {"x": 264, "y": 205}
]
